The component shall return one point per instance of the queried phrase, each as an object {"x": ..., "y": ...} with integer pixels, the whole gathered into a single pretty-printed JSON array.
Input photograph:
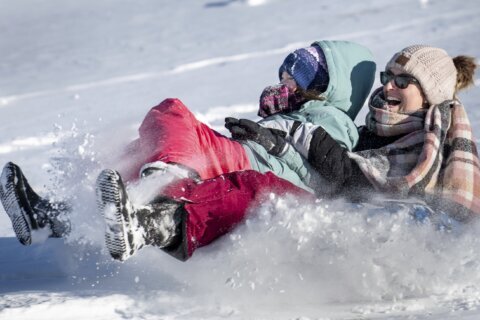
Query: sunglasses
[{"x": 401, "y": 80}]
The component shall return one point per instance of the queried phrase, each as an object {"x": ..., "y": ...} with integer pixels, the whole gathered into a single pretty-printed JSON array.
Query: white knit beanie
[{"x": 432, "y": 67}]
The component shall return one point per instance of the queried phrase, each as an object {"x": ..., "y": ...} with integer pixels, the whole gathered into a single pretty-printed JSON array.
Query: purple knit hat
[{"x": 308, "y": 68}]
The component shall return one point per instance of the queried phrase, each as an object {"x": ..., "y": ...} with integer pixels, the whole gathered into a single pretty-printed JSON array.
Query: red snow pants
[
  {"x": 171, "y": 133},
  {"x": 215, "y": 206}
]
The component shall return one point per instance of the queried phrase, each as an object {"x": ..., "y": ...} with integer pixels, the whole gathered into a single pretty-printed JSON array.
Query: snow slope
[{"x": 76, "y": 78}]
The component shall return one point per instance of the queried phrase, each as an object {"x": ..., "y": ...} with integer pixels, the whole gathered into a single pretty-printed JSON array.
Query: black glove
[
  {"x": 329, "y": 158},
  {"x": 272, "y": 140}
]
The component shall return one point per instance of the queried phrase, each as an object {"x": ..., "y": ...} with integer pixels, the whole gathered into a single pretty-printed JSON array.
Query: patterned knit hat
[
  {"x": 308, "y": 68},
  {"x": 432, "y": 67}
]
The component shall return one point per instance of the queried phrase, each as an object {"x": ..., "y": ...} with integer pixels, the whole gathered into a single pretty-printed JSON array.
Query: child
[{"x": 324, "y": 85}]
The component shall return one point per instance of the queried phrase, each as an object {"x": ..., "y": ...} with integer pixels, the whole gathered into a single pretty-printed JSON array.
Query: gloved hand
[
  {"x": 278, "y": 98},
  {"x": 272, "y": 140}
]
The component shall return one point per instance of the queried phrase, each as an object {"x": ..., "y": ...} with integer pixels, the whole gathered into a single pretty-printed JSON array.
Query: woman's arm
[
  {"x": 332, "y": 161},
  {"x": 311, "y": 142}
]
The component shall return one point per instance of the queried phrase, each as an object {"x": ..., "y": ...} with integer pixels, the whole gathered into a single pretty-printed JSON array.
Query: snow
[{"x": 77, "y": 77}]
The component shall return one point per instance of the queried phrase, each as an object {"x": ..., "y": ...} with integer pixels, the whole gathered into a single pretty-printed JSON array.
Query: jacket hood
[{"x": 352, "y": 72}]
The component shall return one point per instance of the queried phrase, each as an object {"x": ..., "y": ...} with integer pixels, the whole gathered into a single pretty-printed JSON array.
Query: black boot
[
  {"x": 128, "y": 228},
  {"x": 160, "y": 222},
  {"x": 27, "y": 210}
]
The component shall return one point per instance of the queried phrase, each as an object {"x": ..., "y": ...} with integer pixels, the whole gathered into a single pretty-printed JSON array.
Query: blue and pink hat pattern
[{"x": 308, "y": 68}]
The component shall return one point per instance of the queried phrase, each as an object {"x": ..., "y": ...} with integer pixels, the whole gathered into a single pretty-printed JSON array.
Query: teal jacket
[{"x": 352, "y": 71}]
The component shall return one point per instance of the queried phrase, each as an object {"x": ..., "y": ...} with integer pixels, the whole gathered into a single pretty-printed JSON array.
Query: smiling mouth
[{"x": 393, "y": 101}]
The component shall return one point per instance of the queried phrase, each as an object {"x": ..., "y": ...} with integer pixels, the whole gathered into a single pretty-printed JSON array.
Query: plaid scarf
[{"x": 436, "y": 158}]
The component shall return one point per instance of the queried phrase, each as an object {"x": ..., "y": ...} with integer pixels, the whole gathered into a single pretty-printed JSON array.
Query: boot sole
[
  {"x": 112, "y": 203},
  {"x": 11, "y": 197}
]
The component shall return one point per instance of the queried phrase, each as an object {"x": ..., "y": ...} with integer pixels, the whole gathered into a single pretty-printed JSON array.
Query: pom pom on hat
[{"x": 308, "y": 68}]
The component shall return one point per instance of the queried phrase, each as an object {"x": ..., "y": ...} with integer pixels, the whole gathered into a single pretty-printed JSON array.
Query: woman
[
  {"x": 417, "y": 140},
  {"x": 325, "y": 84},
  {"x": 420, "y": 131}
]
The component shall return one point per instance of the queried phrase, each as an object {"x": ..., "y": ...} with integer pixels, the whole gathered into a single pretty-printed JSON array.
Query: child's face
[{"x": 289, "y": 81}]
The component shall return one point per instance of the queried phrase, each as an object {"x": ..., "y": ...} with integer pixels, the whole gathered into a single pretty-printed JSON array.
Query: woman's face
[
  {"x": 403, "y": 100},
  {"x": 289, "y": 81}
]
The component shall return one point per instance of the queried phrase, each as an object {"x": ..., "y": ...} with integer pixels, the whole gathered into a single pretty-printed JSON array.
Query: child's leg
[
  {"x": 187, "y": 215},
  {"x": 171, "y": 133},
  {"x": 215, "y": 206}
]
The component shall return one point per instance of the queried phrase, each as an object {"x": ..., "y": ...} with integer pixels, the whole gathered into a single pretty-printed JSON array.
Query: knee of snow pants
[{"x": 171, "y": 133}]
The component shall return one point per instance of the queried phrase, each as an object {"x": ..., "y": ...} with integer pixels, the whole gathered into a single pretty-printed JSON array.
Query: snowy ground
[{"x": 77, "y": 77}]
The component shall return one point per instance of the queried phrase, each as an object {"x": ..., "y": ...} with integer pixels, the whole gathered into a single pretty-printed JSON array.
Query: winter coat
[{"x": 352, "y": 72}]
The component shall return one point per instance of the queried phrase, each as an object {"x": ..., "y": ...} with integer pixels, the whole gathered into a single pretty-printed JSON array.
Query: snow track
[{"x": 445, "y": 18}]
